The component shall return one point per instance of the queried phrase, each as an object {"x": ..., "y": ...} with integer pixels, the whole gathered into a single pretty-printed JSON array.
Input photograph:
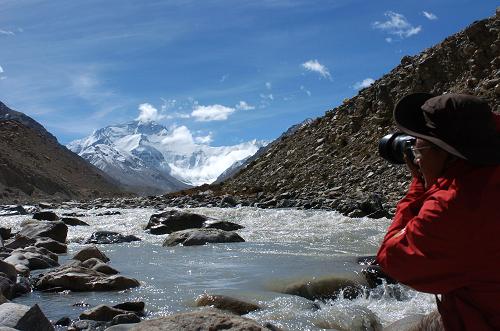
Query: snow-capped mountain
[{"x": 149, "y": 159}]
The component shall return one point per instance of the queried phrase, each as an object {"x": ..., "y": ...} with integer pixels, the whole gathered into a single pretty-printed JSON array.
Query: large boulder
[
  {"x": 22, "y": 317},
  {"x": 194, "y": 237},
  {"x": 7, "y": 287},
  {"x": 174, "y": 220},
  {"x": 56, "y": 230},
  {"x": 19, "y": 241},
  {"x": 80, "y": 279},
  {"x": 235, "y": 306},
  {"x": 90, "y": 252},
  {"x": 110, "y": 237},
  {"x": 45, "y": 216},
  {"x": 5, "y": 233},
  {"x": 200, "y": 320}
]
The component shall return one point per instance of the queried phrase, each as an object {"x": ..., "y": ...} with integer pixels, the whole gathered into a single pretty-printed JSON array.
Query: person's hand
[{"x": 414, "y": 169}]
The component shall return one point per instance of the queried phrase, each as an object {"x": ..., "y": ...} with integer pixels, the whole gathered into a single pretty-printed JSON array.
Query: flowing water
[{"x": 282, "y": 246}]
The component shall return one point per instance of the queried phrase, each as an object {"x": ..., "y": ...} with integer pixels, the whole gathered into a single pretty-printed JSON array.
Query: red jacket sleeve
[{"x": 424, "y": 247}]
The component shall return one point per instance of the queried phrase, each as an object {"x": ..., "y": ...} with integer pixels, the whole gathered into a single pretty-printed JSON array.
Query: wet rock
[
  {"x": 175, "y": 220},
  {"x": 7, "y": 287},
  {"x": 5, "y": 233},
  {"x": 45, "y": 216},
  {"x": 23, "y": 260},
  {"x": 200, "y": 320},
  {"x": 73, "y": 221},
  {"x": 128, "y": 318},
  {"x": 135, "y": 306},
  {"x": 63, "y": 321},
  {"x": 105, "y": 269},
  {"x": 13, "y": 210},
  {"x": 375, "y": 276},
  {"x": 109, "y": 213},
  {"x": 23, "y": 317},
  {"x": 3, "y": 299},
  {"x": 325, "y": 288},
  {"x": 77, "y": 278},
  {"x": 228, "y": 201},
  {"x": 223, "y": 302},
  {"x": 74, "y": 214},
  {"x": 225, "y": 225},
  {"x": 110, "y": 237},
  {"x": 19, "y": 241},
  {"x": 90, "y": 252},
  {"x": 9, "y": 270},
  {"x": 52, "y": 245},
  {"x": 194, "y": 237},
  {"x": 101, "y": 313},
  {"x": 56, "y": 230}
]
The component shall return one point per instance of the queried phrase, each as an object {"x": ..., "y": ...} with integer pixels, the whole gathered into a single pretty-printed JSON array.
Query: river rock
[
  {"x": 45, "y": 216},
  {"x": 80, "y": 279},
  {"x": 200, "y": 320},
  {"x": 7, "y": 287},
  {"x": 174, "y": 220},
  {"x": 52, "y": 245},
  {"x": 134, "y": 306},
  {"x": 375, "y": 276},
  {"x": 105, "y": 269},
  {"x": 109, "y": 213},
  {"x": 56, "y": 230},
  {"x": 5, "y": 233},
  {"x": 223, "y": 302},
  {"x": 225, "y": 225},
  {"x": 90, "y": 252},
  {"x": 325, "y": 288},
  {"x": 194, "y": 237},
  {"x": 23, "y": 317},
  {"x": 73, "y": 221},
  {"x": 110, "y": 237},
  {"x": 9, "y": 270},
  {"x": 24, "y": 261},
  {"x": 127, "y": 318},
  {"x": 3, "y": 299},
  {"x": 101, "y": 313},
  {"x": 63, "y": 321},
  {"x": 19, "y": 241}
]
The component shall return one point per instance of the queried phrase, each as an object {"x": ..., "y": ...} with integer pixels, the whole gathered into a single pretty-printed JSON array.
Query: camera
[{"x": 394, "y": 146}]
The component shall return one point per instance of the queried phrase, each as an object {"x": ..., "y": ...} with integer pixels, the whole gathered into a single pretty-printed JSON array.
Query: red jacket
[{"x": 446, "y": 240}]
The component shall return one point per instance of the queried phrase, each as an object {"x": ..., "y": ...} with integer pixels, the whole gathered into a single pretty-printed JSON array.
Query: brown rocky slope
[
  {"x": 333, "y": 162},
  {"x": 34, "y": 166}
]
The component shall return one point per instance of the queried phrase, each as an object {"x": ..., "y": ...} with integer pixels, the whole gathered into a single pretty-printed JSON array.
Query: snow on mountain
[{"x": 150, "y": 159}]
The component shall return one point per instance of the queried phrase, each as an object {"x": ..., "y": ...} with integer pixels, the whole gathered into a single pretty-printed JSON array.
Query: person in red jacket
[{"x": 445, "y": 236}]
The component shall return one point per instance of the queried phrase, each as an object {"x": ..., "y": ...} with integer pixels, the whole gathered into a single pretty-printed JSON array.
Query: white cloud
[
  {"x": 302, "y": 88},
  {"x": 315, "y": 66},
  {"x": 205, "y": 140},
  {"x": 429, "y": 15},
  {"x": 365, "y": 83},
  {"x": 212, "y": 113},
  {"x": 397, "y": 25},
  {"x": 388, "y": 39},
  {"x": 148, "y": 113},
  {"x": 223, "y": 78},
  {"x": 244, "y": 106},
  {"x": 267, "y": 96},
  {"x": 6, "y": 32},
  {"x": 1, "y": 69},
  {"x": 268, "y": 85}
]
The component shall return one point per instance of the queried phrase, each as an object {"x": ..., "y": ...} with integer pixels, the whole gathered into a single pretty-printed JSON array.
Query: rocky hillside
[
  {"x": 34, "y": 166},
  {"x": 333, "y": 162}
]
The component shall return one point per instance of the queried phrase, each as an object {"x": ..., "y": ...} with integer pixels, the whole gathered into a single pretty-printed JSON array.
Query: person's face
[{"x": 431, "y": 160}]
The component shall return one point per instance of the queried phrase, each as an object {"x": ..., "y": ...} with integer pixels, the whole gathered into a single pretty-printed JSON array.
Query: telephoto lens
[{"x": 394, "y": 146}]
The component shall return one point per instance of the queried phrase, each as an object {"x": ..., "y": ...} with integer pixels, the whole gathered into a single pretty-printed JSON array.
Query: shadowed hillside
[
  {"x": 333, "y": 162},
  {"x": 34, "y": 166}
]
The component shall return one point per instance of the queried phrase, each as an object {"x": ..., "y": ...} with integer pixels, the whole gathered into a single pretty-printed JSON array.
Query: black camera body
[{"x": 394, "y": 146}]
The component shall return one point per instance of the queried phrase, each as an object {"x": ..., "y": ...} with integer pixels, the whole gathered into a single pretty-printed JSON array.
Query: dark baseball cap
[{"x": 461, "y": 124}]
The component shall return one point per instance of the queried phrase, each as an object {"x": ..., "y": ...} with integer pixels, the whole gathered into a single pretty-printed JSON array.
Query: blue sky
[{"x": 228, "y": 70}]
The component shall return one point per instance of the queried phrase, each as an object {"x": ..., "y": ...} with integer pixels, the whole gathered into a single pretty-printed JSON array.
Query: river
[{"x": 282, "y": 246}]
